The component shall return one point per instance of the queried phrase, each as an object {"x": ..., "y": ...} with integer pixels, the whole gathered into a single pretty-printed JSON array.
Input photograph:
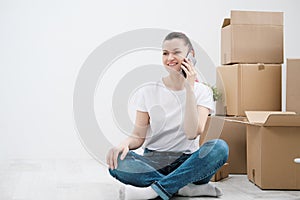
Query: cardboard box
[
  {"x": 234, "y": 134},
  {"x": 292, "y": 85},
  {"x": 252, "y": 37},
  {"x": 273, "y": 142},
  {"x": 222, "y": 173},
  {"x": 248, "y": 87}
]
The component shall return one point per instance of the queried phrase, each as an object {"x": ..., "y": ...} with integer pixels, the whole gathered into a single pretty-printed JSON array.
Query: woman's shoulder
[
  {"x": 202, "y": 89},
  {"x": 201, "y": 86}
]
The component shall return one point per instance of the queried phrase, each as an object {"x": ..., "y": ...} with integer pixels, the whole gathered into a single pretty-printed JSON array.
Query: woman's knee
[
  {"x": 218, "y": 146},
  {"x": 123, "y": 165},
  {"x": 222, "y": 148}
]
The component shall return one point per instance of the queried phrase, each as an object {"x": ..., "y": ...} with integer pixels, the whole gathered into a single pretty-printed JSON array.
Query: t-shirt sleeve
[
  {"x": 204, "y": 97},
  {"x": 138, "y": 101}
]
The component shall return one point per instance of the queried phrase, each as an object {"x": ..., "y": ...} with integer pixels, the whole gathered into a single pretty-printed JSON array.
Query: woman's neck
[{"x": 174, "y": 82}]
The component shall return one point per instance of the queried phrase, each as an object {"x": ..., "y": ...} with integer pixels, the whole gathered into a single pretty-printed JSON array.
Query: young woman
[{"x": 170, "y": 115}]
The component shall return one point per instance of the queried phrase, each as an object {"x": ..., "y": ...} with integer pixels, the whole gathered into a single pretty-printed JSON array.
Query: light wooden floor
[{"x": 89, "y": 180}]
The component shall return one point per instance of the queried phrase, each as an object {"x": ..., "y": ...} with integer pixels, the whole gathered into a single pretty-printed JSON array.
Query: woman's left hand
[{"x": 191, "y": 73}]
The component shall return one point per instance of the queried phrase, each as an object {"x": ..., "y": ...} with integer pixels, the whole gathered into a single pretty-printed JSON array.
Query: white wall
[{"x": 44, "y": 43}]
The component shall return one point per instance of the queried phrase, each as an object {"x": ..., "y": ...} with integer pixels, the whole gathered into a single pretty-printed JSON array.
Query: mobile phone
[{"x": 192, "y": 59}]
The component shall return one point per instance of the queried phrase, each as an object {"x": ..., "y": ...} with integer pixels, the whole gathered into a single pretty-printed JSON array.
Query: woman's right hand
[
  {"x": 113, "y": 153},
  {"x": 134, "y": 141}
]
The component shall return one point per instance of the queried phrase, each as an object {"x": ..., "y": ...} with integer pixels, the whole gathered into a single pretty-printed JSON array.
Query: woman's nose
[{"x": 170, "y": 56}]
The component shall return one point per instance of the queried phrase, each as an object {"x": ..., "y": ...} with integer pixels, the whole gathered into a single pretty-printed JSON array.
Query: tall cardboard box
[
  {"x": 252, "y": 37},
  {"x": 248, "y": 87},
  {"x": 234, "y": 134},
  {"x": 292, "y": 85},
  {"x": 273, "y": 144}
]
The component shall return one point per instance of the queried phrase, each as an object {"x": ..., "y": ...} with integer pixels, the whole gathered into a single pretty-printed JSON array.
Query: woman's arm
[
  {"x": 202, "y": 118},
  {"x": 138, "y": 135},
  {"x": 134, "y": 141},
  {"x": 195, "y": 116}
]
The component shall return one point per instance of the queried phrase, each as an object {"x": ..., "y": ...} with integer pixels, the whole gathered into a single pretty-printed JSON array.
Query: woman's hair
[{"x": 179, "y": 35}]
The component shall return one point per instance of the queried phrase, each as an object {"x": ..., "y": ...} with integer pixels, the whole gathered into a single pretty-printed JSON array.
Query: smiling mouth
[{"x": 172, "y": 64}]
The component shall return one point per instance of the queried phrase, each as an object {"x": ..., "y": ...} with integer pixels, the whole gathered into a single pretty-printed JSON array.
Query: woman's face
[{"x": 174, "y": 51}]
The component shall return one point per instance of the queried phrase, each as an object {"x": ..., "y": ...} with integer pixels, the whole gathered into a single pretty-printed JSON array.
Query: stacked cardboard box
[
  {"x": 251, "y": 54},
  {"x": 233, "y": 132},
  {"x": 292, "y": 85},
  {"x": 249, "y": 78},
  {"x": 273, "y": 138},
  {"x": 252, "y": 37},
  {"x": 250, "y": 81},
  {"x": 272, "y": 149},
  {"x": 248, "y": 87}
]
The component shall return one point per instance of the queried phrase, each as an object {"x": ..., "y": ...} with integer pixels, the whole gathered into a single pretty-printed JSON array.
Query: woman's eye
[
  {"x": 177, "y": 52},
  {"x": 165, "y": 53}
]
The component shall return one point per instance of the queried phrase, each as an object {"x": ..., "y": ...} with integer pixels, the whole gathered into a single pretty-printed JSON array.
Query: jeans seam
[{"x": 161, "y": 191}]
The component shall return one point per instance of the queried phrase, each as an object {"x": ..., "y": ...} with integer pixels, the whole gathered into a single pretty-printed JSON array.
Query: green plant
[{"x": 216, "y": 93}]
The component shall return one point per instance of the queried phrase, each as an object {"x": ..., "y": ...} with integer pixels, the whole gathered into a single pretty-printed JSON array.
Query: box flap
[
  {"x": 256, "y": 17},
  {"x": 226, "y": 22},
  {"x": 258, "y": 117},
  {"x": 266, "y": 118},
  {"x": 283, "y": 120}
]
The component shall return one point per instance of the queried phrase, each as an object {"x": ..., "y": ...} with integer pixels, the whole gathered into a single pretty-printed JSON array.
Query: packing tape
[{"x": 297, "y": 160}]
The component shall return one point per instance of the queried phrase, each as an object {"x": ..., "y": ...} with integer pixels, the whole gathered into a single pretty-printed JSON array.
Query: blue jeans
[{"x": 167, "y": 172}]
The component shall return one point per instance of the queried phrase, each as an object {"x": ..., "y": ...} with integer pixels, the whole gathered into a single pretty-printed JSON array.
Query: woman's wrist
[
  {"x": 126, "y": 142},
  {"x": 189, "y": 86}
]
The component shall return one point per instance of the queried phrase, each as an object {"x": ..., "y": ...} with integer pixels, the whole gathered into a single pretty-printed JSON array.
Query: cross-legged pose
[{"x": 170, "y": 116}]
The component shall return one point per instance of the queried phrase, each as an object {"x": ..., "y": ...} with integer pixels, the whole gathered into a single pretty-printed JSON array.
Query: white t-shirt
[{"x": 166, "y": 110}]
